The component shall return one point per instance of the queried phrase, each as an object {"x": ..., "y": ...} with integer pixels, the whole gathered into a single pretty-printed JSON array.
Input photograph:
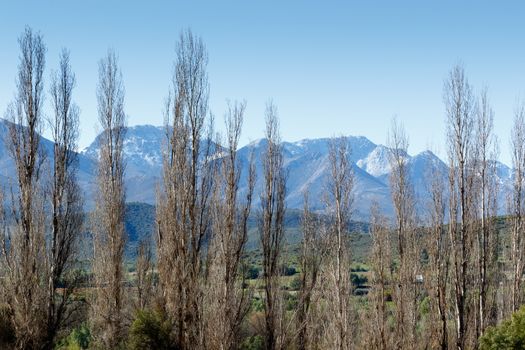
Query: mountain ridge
[{"x": 306, "y": 162}]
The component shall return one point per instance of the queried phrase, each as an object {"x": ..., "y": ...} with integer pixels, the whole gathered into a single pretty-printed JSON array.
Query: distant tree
[
  {"x": 144, "y": 271},
  {"x": 487, "y": 240},
  {"x": 271, "y": 231},
  {"x": 227, "y": 301},
  {"x": 338, "y": 290},
  {"x": 517, "y": 209},
  {"x": 459, "y": 104},
  {"x": 312, "y": 254},
  {"x": 381, "y": 267},
  {"x": 108, "y": 219},
  {"x": 438, "y": 248},
  {"x": 66, "y": 202},
  {"x": 403, "y": 200}
]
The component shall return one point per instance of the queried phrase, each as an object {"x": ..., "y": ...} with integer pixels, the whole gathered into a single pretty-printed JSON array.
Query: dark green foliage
[
  {"x": 291, "y": 301},
  {"x": 358, "y": 280},
  {"x": 251, "y": 273},
  {"x": 358, "y": 268},
  {"x": 140, "y": 223},
  {"x": 296, "y": 283},
  {"x": 288, "y": 270},
  {"x": 253, "y": 343},
  {"x": 257, "y": 304},
  {"x": 150, "y": 330},
  {"x": 78, "y": 339},
  {"x": 508, "y": 335}
]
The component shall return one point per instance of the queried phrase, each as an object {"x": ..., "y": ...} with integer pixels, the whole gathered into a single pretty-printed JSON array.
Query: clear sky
[{"x": 332, "y": 67}]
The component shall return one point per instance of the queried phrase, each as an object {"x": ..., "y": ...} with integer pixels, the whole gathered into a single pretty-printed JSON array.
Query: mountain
[
  {"x": 306, "y": 162},
  {"x": 307, "y": 166},
  {"x": 377, "y": 162}
]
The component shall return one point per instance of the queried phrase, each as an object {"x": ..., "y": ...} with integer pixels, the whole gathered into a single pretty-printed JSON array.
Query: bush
[
  {"x": 150, "y": 330},
  {"x": 358, "y": 268},
  {"x": 78, "y": 339},
  {"x": 257, "y": 304},
  {"x": 510, "y": 334},
  {"x": 251, "y": 273},
  {"x": 291, "y": 301},
  {"x": 253, "y": 343},
  {"x": 296, "y": 283},
  {"x": 288, "y": 270},
  {"x": 358, "y": 280}
]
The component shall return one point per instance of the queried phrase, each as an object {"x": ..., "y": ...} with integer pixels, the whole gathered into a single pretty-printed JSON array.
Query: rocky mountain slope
[{"x": 306, "y": 162}]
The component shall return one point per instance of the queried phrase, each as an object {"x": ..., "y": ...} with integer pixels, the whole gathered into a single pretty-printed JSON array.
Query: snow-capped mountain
[
  {"x": 307, "y": 166},
  {"x": 142, "y": 147},
  {"x": 306, "y": 162},
  {"x": 377, "y": 162}
]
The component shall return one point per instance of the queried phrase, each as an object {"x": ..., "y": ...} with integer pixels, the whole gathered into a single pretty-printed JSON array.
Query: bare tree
[
  {"x": 438, "y": 247},
  {"x": 183, "y": 204},
  {"x": 404, "y": 203},
  {"x": 459, "y": 104},
  {"x": 144, "y": 270},
  {"x": 487, "y": 211},
  {"x": 227, "y": 300},
  {"x": 381, "y": 266},
  {"x": 36, "y": 264},
  {"x": 108, "y": 218},
  {"x": 23, "y": 243},
  {"x": 271, "y": 230},
  {"x": 23, "y": 239},
  {"x": 66, "y": 202},
  {"x": 517, "y": 206},
  {"x": 339, "y": 205},
  {"x": 311, "y": 257}
]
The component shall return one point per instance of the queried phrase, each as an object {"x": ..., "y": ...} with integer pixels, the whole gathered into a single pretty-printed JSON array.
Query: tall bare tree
[
  {"x": 312, "y": 253},
  {"x": 227, "y": 300},
  {"x": 66, "y": 202},
  {"x": 405, "y": 223},
  {"x": 459, "y": 104},
  {"x": 271, "y": 230},
  {"x": 517, "y": 206},
  {"x": 108, "y": 219},
  {"x": 487, "y": 211},
  {"x": 144, "y": 270},
  {"x": 183, "y": 204},
  {"x": 37, "y": 264},
  {"x": 381, "y": 266},
  {"x": 339, "y": 203},
  {"x": 438, "y": 248},
  {"x": 23, "y": 243}
]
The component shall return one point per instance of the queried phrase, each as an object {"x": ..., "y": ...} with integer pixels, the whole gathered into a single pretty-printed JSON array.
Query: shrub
[
  {"x": 251, "y": 273},
  {"x": 296, "y": 283},
  {"x": 358, "y": 280},
  {"x": 257, "y": 304},
  {"x": 510, "y": 334},
  {"x": 150, "y": 330},
  {"x": 253, "y": 343},
  {"x": 288, "y": 270},
  {"x": 78, "y": 339},
  {"x": 291, "y": 301},
  {"x": 358, "y": 268}
]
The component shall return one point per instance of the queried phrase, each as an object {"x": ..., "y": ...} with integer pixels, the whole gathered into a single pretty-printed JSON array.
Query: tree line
[{"x": 441, "y": 273}]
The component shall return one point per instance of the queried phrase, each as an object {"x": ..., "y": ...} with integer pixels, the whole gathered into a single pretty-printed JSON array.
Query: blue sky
[{"x": 332, "y": 67}]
